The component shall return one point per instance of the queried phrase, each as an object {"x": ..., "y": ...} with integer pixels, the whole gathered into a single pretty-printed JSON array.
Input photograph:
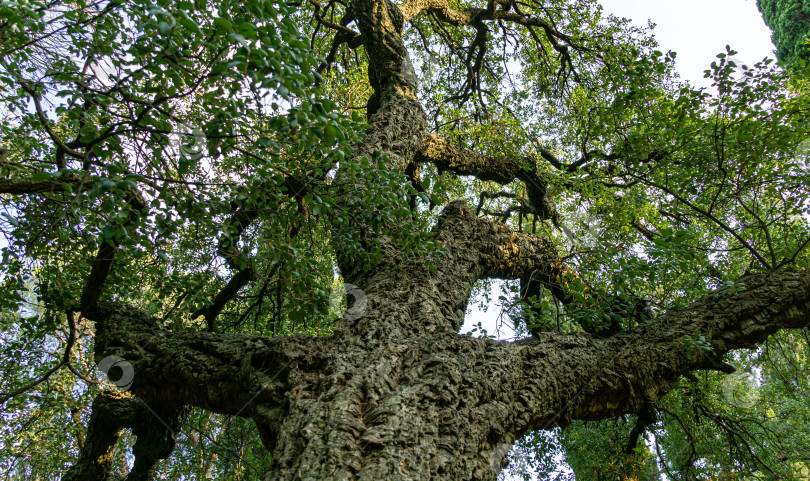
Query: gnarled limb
[
  {"x": 624, "y": 372},
  {"x": 479, "y": 248},
  {"x": 440, "y": 152},
  {"x": 112, "y": 412},
  {"x": 155, "y": 427},
  {"x": 56, "y": 184},
  {"x": 439, "y": 403}
]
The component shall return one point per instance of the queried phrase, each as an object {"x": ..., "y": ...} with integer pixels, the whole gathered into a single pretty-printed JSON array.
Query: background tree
[
  {"x": 182, "y": 183},
  {"x": 790, "y": 22}
]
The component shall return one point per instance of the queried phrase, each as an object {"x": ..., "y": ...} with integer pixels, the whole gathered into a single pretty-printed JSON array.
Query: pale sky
[
  {"x": 700, "y": 29},
  {"x": 697, "y": 30}
]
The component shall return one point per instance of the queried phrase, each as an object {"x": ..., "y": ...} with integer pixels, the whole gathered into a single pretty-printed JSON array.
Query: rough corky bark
[{"x": 398, "y": 393}]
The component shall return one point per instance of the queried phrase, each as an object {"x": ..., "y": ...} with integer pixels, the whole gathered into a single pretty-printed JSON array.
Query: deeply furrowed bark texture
[
  {"x": 397, "y": 394},
  {"x": 433, "y": 405}
]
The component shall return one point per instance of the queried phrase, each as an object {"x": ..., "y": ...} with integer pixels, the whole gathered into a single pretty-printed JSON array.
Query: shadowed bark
[{"x": 438, "y": 405}]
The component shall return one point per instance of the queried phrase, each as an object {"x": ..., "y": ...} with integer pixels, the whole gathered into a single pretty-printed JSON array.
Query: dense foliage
[
  {"x": 790, "y": 22},
  {"x": 199, "y": 142}
]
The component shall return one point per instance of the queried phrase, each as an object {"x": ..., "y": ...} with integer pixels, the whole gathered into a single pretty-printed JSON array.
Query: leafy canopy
[{"x": 200, "y": 140}]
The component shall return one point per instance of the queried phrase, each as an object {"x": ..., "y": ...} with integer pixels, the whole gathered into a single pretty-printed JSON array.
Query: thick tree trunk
[
  {"x": 427, "y": 405},
  {"x": 397, "y": 393}
]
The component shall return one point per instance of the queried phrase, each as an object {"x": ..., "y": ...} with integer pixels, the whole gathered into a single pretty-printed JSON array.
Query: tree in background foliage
[
  {"x": 264, "y": 222},
  {"x": 790, "y": 22}
]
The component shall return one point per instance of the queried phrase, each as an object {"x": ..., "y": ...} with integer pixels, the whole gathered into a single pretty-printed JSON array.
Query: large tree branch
[
  {"x": 210, "y": 370},
  {"x": 445, "y": 156},
  {"x": 443, "y": 10},
  {"x": 478, "y": 248},
  {"x": 498, "y": 251},
  {"x": 155, "y": 429},
  {"x": 111, "y": 414},
  {"x": 348, "y": 393},
  {"x": 248, "y": 376},
  {"x": 56, "y": 184},
  {"x": 469, "y": 248},
  {"x": 620, "y": 374},
  {"x": 438, "y": 151}
]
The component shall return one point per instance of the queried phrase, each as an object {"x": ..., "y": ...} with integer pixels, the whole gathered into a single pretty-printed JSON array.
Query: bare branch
[{"x": 43, "y": 119}]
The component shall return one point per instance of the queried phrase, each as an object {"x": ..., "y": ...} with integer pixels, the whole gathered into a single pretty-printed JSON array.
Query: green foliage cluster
[
  {"x": 728, "y": 195},
  {"x": 790, "y": 22},
  {"x": 205, "y": 111}
]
